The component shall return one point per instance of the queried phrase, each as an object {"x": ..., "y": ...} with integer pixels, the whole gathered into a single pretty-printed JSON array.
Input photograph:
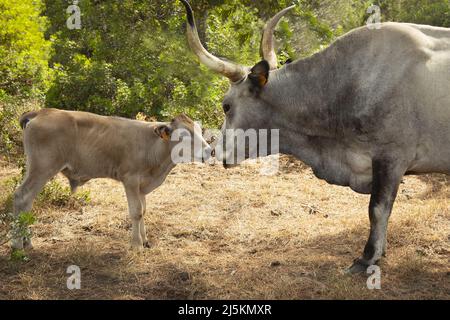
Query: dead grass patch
[{"x": 234, "y": 234}]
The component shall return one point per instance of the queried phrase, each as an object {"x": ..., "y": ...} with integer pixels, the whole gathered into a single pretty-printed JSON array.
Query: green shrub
[
  {"x": 11, "y": 108},
  {"x": 132, "y": 56},
  {"x": 431, "y": 12},
  {"x": 54, "y": 194},
  {"x": 124, "y": 61},
  {"x": 15, "y": 227},
  {"x": 57, "y": 195},
  {"x": 24, "y": 51}
]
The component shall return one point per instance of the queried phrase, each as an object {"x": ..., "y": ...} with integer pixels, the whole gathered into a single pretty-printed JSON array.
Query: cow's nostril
[{"x": 213, "y": 153}]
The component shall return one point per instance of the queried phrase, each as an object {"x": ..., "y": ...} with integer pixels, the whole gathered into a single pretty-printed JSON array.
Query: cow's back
[{"x": 400, "y": 81}]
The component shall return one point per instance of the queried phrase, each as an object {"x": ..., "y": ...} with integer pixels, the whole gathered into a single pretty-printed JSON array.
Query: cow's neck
[{"x": 303, "y": 96}]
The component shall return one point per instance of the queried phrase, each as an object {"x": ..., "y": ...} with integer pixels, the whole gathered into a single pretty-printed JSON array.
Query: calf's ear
[
  {"x": 259, "y": 74},
  {"x": 164, "y": 132}
]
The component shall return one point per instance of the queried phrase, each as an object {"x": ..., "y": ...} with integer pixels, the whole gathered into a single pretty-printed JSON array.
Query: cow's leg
[
  {"x": 24, "y": 196},
  {"x": 142, "y": 224},
  {"x": 136, "y": 213},
  {"x": 386, "y": 179}
]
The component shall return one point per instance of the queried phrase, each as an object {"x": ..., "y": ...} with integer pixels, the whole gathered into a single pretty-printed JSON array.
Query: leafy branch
[{"x": 15, "y": 227}]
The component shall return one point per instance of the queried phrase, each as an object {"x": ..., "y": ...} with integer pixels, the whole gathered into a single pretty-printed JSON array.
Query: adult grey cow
[
  {"x": 372, "y": 107},
  {"x": 85, "y": 146}
]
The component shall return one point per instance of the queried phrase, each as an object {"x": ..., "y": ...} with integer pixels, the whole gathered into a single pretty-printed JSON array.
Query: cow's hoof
[
  {"x": 357, "y": 267},
  {"x": 147, "y": 244}
]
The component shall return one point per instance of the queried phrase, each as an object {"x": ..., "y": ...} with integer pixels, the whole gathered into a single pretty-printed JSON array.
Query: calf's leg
[
  {"x": 386, "y": 179},
  {"x": 142, "y": 224},
  {"x": 24, "y": 196},
  {"x": 135, "y": 209}
]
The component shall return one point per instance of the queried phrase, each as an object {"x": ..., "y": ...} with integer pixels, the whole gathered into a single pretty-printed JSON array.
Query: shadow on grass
[
  {"x": 314, "y": 270},
  {"x": 109, "y": 275},
  {"x": 407, "y": 273},
  {"x": 436, "y": 184}
]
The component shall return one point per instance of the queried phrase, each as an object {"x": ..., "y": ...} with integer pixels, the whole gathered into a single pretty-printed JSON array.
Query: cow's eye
[{"x": 226, "y": 108}]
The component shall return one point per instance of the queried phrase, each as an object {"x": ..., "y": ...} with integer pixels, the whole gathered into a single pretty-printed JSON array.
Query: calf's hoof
[
  {"x": 359, "y": 266},
  {"x": 17, "y": 244},
  {"x": 137, "y": 247},
  {"x": 27, "y": 244}
]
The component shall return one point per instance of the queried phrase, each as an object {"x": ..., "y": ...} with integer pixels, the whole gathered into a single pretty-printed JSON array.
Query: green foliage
[
  {"x": 16, "y": 227},
  {"x": 20, "y": 228},
  {"x": 54, "y": 194},
  {"x": 131, "y": 56},
  {"x": 430, "y": 12},
  {"x": 23, "y": 50},
  {"x": 19, "y": 255},
  {"x": 58, "y": 195},
  {"x": 124, "y": 61},
  {"x": 21, "y": 223},
  {"x": 24, "y": 71},
  {"x": 11, "y": 108}
]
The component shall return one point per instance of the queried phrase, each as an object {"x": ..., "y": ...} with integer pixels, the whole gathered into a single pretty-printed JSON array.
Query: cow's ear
[
  {"x": 164, "y": 132},
  {"x": 259, "y": 74}
]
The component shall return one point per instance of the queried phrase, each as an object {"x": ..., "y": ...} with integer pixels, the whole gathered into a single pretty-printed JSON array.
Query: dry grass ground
[{"x": 236, "y": 235}]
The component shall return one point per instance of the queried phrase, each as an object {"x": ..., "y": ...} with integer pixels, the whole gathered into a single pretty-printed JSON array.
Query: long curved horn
[
  {"x": 267, "y": 43},
  {"x": 230, "y": 70}
]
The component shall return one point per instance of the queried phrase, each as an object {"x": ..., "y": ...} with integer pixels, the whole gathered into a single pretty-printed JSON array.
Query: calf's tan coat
[{"x": 85, "y": 146}]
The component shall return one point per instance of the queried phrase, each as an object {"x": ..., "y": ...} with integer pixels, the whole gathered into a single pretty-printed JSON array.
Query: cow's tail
[{"x": 27, "y": 117}]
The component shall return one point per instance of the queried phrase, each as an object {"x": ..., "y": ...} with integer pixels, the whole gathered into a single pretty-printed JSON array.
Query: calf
[{"x": 84, "y": 146}]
